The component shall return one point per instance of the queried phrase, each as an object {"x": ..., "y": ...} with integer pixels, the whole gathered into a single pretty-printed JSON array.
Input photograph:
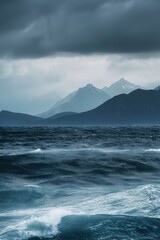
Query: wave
[
  {"x": 81, "y": 227},
  {"x": 139, "y": 201},
  {"x": 38, "y": 150},
  {"x": 97, "y": 227},
  {"x": 78, "y": 150},
  {"x": 79, "y": 170},
  {"x": 131, "y": 214},
  {"x": 25, "y": 152},
  {"x": 43, "y": 225},
  {"x": 29, "y": 195},
  {"x": 153, "y": 150},
  {"x": 9, "y": 152},
  {"x": 67, "y": 150}
]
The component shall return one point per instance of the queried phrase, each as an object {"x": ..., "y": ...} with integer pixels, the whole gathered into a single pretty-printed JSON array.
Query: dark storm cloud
[{"x": 37, "y": 28}]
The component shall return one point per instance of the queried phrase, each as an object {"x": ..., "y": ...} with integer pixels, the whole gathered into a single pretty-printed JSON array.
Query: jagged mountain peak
[
  {"x": 87, "y": 87},
  {"x": 90, "y": 88},
  {"x": 123, "y": 82},
  {"x": 120, "y": 86},
  {"x": 83, "y": 99}
]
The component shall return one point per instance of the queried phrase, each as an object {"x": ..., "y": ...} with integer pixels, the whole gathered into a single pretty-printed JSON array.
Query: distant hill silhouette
[
  {"x": 18, "y": 119},
  {"x": 119, "y": 87},
  {"x": 83, "y": 99},
  {"x": 138, "y": 107}
]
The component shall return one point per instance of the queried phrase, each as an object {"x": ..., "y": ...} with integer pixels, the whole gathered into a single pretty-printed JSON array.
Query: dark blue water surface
[{"x": 80, "y": 183}]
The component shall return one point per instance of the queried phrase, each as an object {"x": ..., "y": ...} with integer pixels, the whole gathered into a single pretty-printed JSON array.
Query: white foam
[
  {"x": 22, "y": 152},
  {"x": 82, "y": 149},
  {"x": 89, "y": 149},
  {"x": 140, "y": 201},
  {"x": 153, "y": 150},
  {"x": 32, "y": 186},
  {"x": 39, "y": 223},
  {"x": 38, "y": 150}
]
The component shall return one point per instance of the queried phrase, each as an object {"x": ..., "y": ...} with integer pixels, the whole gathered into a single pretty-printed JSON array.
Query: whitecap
[
  {"x": 85, "y": 149},
  {"x": 40, "y": 223},
  {"x": 23, "y": 152},
  {"x": 141, "y": 201},
  {"x": 153, "y": 150},
  {"x": 38, "y": 150}
]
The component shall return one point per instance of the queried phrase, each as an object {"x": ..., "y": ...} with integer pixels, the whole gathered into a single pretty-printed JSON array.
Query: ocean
[{"x": 80, "y": 183}]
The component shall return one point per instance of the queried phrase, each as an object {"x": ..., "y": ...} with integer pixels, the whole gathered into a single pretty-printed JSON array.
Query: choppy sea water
[{"x": 80, "y": 183}]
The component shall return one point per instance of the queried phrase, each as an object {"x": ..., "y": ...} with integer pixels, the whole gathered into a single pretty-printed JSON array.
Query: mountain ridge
[
  {"x": 8, "y": 118},
  {"x": 83, "y": 99},
  {"x": 137, "y": 107}
]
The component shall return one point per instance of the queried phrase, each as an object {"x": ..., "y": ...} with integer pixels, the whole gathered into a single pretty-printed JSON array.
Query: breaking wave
[{"x": 135, "y": 213}]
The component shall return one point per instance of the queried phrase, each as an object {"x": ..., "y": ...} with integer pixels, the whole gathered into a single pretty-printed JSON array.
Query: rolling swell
[
  {"x": 108, "y": 227},
  {"x": 59, "y": 166},
  {"x": 131, "y": 214},
  {"x": 93, "y": 227},
  {"x": 79, "y": 183}
]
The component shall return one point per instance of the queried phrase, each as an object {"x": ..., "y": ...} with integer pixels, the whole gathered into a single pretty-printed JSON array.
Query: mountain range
[
  {"x": 81, "y": 100},
  {"x": 137, "y": 107},
  {"x": 89, "y": 97}
]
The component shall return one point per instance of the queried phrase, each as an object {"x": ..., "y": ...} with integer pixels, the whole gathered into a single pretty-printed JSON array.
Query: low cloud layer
[{"x": 40, "y": 28}]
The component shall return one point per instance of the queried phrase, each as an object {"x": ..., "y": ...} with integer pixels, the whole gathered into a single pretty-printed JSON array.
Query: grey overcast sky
[{"x": 60, "y": 45}]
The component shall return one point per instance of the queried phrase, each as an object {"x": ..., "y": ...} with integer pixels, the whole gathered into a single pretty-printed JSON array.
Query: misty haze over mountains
[
  {"x": 82, "y": 100},
  {"x": 40, "y": 104},
  {"x": 89, "y": 97},
  {"x": 53, "y": 100},
  {"x": 137, "y": 107}
]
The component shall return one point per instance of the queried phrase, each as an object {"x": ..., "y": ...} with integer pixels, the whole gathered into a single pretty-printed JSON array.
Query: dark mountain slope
[{"x": 138, "y": 107}]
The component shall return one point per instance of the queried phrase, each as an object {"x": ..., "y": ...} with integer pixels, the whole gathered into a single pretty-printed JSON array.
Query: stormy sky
[{"x": 60, "y": 45}]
